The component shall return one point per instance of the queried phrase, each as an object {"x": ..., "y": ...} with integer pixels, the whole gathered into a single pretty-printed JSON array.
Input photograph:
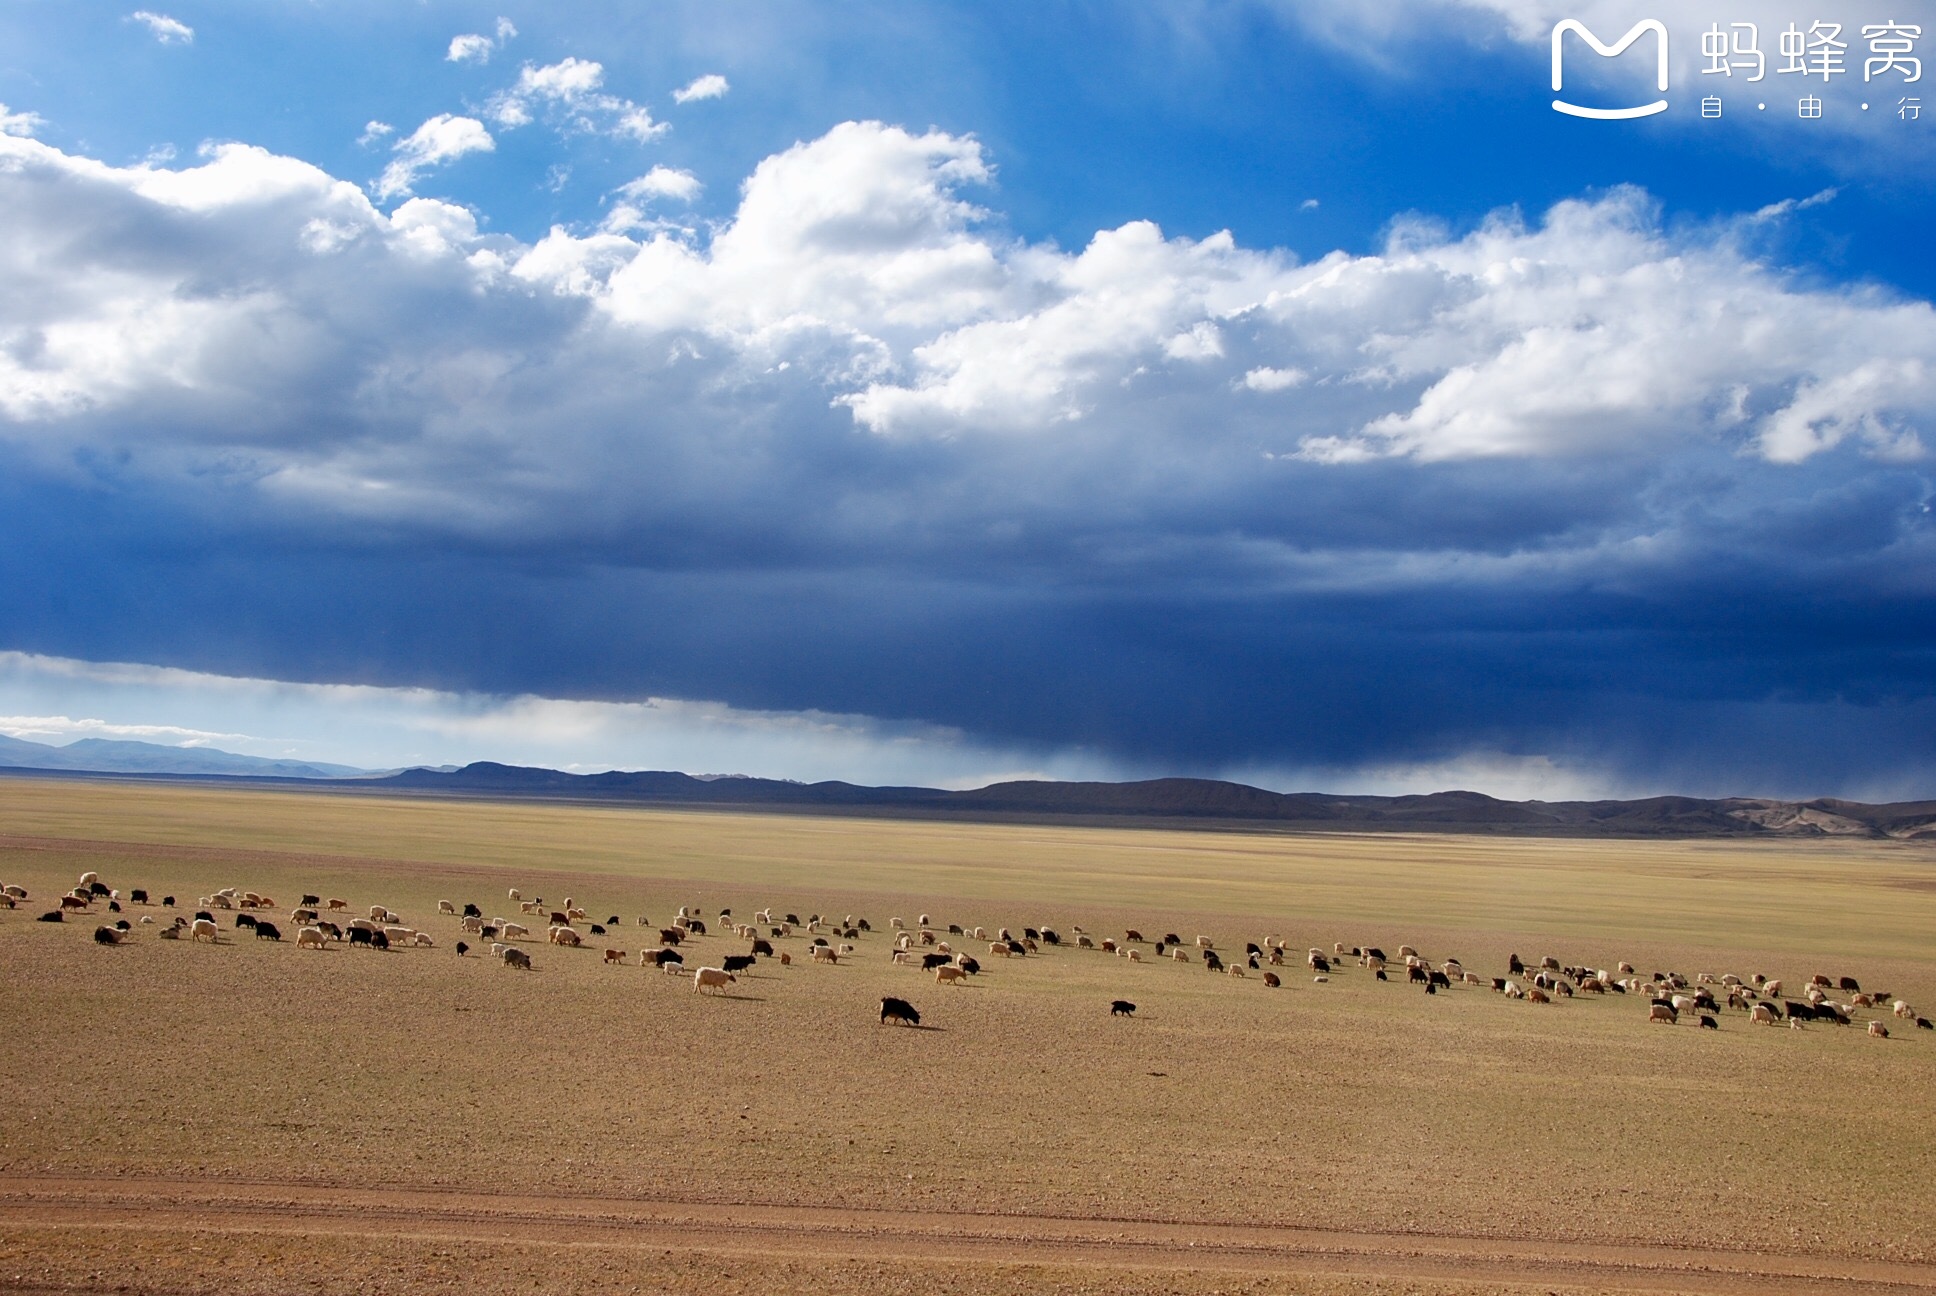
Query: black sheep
[
  {"x": 52, "y": 915},
  {"x": 899, "y": 1010},
  {"x": 763, "y": 946},
  {"x": 267, "y": 931},
  {"x": 462, "y": 949},
  {"x": 1122, "y": 1008}
]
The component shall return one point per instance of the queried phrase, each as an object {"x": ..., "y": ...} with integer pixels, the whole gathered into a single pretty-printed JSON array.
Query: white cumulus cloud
[
  {"x": 168, "y": 31},
  {"x": 663, "y": 182},
  {"x": 1266, "y": 379},
  {"x": 710, "y": 86},
  {"x": 19, "y": 123},
  {"x": 473, "y": 48},
  {"x": 444, "y": 138},
  {"x": 571, "y": 94},
  {"x": 409, "y": 365},
  {"x": 470, "y": 48}
]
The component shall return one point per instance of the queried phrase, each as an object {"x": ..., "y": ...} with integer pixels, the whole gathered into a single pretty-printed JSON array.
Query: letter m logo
[{"x": 1605, "y": 50}]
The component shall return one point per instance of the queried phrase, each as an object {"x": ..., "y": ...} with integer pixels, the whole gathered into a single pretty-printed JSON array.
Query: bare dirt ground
[
  {"x": 484, "y": 1241},
  {"x": 248, "y": 1117}
]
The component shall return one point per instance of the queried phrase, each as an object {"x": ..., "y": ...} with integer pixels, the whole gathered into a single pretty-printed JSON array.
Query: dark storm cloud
[{"x": 1580, "y": 490}]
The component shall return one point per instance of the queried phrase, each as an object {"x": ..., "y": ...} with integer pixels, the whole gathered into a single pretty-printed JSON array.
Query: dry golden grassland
[{"x": 1352, "y": 1106}]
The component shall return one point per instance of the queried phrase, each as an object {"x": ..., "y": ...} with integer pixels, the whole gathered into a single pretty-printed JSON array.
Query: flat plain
[{"x": 253, "y": 1117}]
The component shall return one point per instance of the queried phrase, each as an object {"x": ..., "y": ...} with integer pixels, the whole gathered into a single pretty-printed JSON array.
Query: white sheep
[
  {"x": 446, "y": 907},
  {"x": 204, "y": 930},
  {"x": 311, "y": 938},
  {"x": 717, "y": 978}
]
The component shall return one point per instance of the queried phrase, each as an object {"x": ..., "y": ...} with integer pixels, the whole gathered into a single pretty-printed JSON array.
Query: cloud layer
[{"x": 1588, "y": 487}]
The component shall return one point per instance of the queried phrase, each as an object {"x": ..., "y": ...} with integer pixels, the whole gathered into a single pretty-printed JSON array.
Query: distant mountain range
[
  {"x": 114, "y": 756},
  {"x": 1206, "y": 802},
  {"x": 1210, "y": 801}
]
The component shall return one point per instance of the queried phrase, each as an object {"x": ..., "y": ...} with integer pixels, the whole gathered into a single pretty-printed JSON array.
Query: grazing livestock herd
[{"x": 1670, "y": 998}]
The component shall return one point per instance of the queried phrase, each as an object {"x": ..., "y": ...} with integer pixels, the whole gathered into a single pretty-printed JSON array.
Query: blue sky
[{"x": 943, "y": 392}]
